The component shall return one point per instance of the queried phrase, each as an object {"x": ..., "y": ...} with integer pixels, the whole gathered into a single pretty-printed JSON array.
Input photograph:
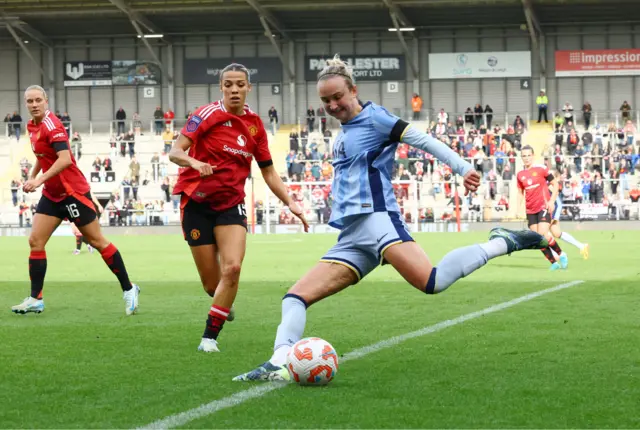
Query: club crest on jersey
[
  {"x": 253, "y": 130},
  {"x": 193, "y": 123},
  {"x": 534, "y": 174},
  {"x": 242, "y": 141}
]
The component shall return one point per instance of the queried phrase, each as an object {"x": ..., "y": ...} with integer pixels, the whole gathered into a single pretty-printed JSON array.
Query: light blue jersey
[{"x": 364, "y": 153}]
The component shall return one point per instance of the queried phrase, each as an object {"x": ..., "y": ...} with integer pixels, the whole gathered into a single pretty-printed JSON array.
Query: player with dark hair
[
  {"x": 539, "y": 188},
  {"x": 66, "y": 194},
  {"x": 366, "y": 211},
  {"x": 215, "y": 149}
]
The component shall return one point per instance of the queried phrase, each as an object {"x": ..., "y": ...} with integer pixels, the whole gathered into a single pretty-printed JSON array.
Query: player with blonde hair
[{"x": 367, "y": 213}]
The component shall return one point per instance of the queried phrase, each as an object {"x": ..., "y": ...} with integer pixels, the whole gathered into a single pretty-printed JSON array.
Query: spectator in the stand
[
  {"x": 468, "y": 116},
  {"x": 416, "y": 106},
  {"x": 543, "y": 103},
  {"x": 167, "y": 138},
  {"x": 572, "y": 141},
  {"x": 327, "y": 140},
  {"x": 134, "y": 187},
  {"x": 489, "y": 115},
  {"x": 97, "y": 164},
  {"x": 518, "y": 124},
  {"x": 166, "y": 188},
  {"x": 137, "y": 124},
  {"x": 66, "y": 122},
  {"x": 7, "y": 120},
  {"x": 273, "y": 119},
  {"x": 23, "y": 213},
  {"x": 121, "y": 116},
  {"x": 629, "y": 132},
  {"x": 134, "y": 168},
  {"x": 443, "y": 117},
  {"x": 626, "y": 110},
  {"x": 155, "y": 166},
  {"x": 106, "y": 163},
  {"x": 304, "y": 138},
  {"x": 169, "y": 116},
  {"x": 558, "y": 122},
  {"x": 158, "y": 115},
  {"x": 323, "y": 119},
  {"x": 15, "y": 186},
  {"x": 293, "y": 141},
  {"x": 568, "y": 112},
  {"x": 311, "y": 118},
  {"x": 188, "y": 115},
  {"x": 586, "y": 114},
  {"x": 291, "y": 158},
  {"x": 130, "y": 139},
  {"x": 478, "y": 114},
  {"x": 16, "y": 121},
  {"x": 76, "y": 145}
]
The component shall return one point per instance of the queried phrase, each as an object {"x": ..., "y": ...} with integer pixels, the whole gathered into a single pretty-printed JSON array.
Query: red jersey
[
  {"x": 534, "y": 181},
  {"x": 228, "y": 142},
  {"x": 47, "y": 138}
]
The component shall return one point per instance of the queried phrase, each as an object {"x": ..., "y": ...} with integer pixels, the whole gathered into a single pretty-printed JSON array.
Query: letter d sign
[{"x": 392, "y": 87}]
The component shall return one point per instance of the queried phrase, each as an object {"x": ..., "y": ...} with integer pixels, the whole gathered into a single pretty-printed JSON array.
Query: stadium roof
[{"x": 52, "y": 19}]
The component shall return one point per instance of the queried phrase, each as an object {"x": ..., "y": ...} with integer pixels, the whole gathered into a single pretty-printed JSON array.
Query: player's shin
[
  {"x": 572, "y": 240},
  {"x": 216, "y": 319},
  {"x": 554, "y": 245},
  {"x": 78, "y": 243},
  {"x": 548, "y": 253},
  {"x": 462, "y": 262},
  {"x": 37, "y": 270},
  {"x": 291, "y": 328},
  {"x": 112, "y": 257}
]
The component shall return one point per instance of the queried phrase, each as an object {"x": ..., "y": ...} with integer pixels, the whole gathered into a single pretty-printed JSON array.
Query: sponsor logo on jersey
[
  {"x": 253, "y": 130},
  {"x": 193, "y": 123},
  {"x": 60, "y": 135},
  {"x": 237, "y": 151},
  {"x": 195, "y": 234},
  {"x": 242, "y": 141},
  {"x": 227, "y": 123}
]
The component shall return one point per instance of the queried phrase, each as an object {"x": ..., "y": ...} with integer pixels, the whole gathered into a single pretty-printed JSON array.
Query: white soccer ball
[{"x": 312, "y": 361}]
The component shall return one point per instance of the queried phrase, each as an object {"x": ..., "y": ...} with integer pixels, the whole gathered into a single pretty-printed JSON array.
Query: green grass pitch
[{"x": 566, "y": 359}]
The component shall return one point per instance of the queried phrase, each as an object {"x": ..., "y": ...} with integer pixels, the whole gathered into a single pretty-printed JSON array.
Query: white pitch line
[{"x": 260, "y": 390}]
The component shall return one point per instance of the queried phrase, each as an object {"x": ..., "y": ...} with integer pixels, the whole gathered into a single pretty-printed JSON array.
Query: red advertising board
[{"x": 598, "y": 62}]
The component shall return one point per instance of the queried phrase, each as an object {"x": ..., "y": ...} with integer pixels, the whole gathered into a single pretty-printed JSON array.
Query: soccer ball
[{"x": 312, "y": 361}]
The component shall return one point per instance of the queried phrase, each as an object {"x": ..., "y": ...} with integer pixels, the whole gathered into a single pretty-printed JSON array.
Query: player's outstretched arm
[
  {"x": 442, "y": 152},
  {"x": 62, "y": 162},
  {"x": 179, "y": 156},
  {"x": 275, "y": 184}
]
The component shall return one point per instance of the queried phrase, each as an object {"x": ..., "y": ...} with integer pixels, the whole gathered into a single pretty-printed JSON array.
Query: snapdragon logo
[{"x": 237, "y": 151}]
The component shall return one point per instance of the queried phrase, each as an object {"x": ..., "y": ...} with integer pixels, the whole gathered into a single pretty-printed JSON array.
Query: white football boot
[
  {"x": 29, "y": 305},
  {"x": 208, "y": 345},
  {"x": 131, "y": 300}
]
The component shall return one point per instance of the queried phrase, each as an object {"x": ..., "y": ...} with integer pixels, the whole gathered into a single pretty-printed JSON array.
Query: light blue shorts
[
  {"x": 364, "y": 239},
  {"x": 557, "y": 211}
]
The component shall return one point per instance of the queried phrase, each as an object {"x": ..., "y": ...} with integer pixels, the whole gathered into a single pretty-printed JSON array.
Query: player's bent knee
[
  {"x": 231, "y": 271},
  {"x": 36, "y": 243}
]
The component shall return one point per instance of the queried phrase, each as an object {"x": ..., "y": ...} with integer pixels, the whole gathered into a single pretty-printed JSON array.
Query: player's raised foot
[
  {"x": 232, "y": 314},
  {"x": 208, "y": 345},
  {"x": 555, "y": 266},
  {"x": 518, "y": 240},
  {"x": 29, "y": 305},
  {"x": 131, "y": 300},
  {"x": 564, "y": 261},
  {"x": 265, "y": 372},
  {"x": 76, "y": 251},
  {"x": 584, "y": 251}
]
